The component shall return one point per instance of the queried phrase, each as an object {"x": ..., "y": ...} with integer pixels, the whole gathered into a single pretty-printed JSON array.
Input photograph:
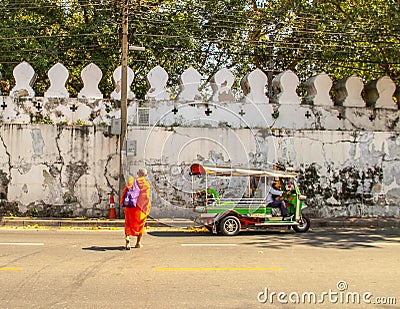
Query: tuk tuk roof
[{"x": 199, "y": 169}]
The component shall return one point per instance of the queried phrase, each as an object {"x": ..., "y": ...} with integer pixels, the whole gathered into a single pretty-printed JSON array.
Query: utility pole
[{"x": 124, "y": 98}]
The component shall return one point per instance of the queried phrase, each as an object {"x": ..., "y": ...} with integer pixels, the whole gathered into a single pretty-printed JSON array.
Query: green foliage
[
  {"x": 108, "y": 109},
  {"x": 33, "y": 212},
  {"x": 275, "y": 114},
  {"x": 39, "y": 119},
  {"x": 339, "y": 37},
  {"x": 80, "y": 122}
]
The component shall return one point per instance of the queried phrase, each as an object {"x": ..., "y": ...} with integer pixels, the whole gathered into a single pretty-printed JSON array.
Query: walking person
[{"x": 136, "y": 216}]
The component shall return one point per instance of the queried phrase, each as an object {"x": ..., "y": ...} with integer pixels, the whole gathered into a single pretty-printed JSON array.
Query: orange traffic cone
[{"x": 111, "y": 212}]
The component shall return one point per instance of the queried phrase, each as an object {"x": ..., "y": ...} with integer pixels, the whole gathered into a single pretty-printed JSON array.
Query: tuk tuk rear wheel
[
  {"x": 229, "y": 226},
  {"x": 304, "y": 225}
]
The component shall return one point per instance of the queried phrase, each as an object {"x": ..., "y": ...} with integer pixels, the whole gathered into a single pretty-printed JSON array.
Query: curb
[
  {"x": 185, "y": 223},
  {"x": 89, "y": 223},
  {"x": 57, "y": 222}
]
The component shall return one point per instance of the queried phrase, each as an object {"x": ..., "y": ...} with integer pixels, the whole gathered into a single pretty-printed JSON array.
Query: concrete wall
[
  {"x": 343, "y": 173},
  {"x": 59, "y": 156},
  {"x": 71, "y": 170},
  {"x": 58, "y": 170}
]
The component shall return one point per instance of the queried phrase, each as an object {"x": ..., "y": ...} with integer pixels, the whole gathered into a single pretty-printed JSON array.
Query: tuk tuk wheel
[
  {"x": 229, "y": 226},
  {"x": 304, "y": 225}
]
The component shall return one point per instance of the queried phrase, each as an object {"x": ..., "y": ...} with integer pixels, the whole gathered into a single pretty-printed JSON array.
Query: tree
[
  {"x": 44, "y": 32},
  {"x": 307, "y": 36}
]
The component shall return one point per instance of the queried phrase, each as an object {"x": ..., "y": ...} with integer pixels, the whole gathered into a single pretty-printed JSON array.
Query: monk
[{"x": 135, "y": 217}]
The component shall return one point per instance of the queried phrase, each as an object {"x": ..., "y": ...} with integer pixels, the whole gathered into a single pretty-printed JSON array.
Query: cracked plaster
[{"x": 72, "y": 170}]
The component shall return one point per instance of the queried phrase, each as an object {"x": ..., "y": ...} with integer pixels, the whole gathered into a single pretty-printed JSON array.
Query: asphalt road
[{"x": 329, "y": 268}]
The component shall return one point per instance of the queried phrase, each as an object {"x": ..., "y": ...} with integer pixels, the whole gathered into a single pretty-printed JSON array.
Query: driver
[{"x": 274, "y": 192}]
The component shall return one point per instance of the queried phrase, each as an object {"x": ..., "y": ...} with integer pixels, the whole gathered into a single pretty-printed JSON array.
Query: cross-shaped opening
[
  {"x": 208, "y": 111},
  {"x": 340, "y": 116},
  {"x": 37, "y": 105}
]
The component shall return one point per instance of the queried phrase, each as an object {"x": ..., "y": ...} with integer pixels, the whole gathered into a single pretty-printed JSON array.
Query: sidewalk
[{"x": 184, "y": 223}]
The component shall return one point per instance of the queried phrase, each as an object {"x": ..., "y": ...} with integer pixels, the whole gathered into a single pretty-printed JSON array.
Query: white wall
[
  {"x": 72, "y": 170},
  {"x": 346, "y": 152}
]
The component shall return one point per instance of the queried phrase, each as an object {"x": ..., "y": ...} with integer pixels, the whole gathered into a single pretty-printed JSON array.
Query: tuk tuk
[{"x": 228, "y": 216}]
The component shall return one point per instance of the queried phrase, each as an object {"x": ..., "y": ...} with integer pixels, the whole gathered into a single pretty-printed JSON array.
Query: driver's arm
[{"x": 275, "y": 191}]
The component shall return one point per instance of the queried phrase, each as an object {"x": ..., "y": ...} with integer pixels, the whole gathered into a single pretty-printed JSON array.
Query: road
[{"x": 329, "y": 268}]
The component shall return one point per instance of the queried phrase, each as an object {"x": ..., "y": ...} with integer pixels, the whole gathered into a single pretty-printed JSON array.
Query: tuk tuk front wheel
[
  {"x": 304, "y": 225},
  {"x": 229, "y": 226}
]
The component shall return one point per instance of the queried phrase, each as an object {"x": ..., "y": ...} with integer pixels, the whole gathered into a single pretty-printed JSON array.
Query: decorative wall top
[
  {"x": 157, "y": 79},
  {"x": 189, "y": 84},
  {"x": 253, "y": 86},
  {"x": 284, "y": 86},
  {"x": 117, "y": 76},
  {"x": 348, "y": 92},
  {"x": 378, "y": 93},
  {"x": 91, "y": 76},
  {"x": 58, "y": 76},
  {"x": 221, "y": 84},
  {"x": 24, "y": 76},
  {"x": 345, "y": 104},
  {"x": 318, "y": 88}
]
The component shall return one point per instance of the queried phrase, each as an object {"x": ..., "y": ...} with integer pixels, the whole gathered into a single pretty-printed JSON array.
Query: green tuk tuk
[{"x": 229, "y": 216}]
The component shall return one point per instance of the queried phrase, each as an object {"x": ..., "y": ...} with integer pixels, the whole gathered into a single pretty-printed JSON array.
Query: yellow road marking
[
  {"x": 216, "y": 268},
  {"x": 10, "y": 268}
]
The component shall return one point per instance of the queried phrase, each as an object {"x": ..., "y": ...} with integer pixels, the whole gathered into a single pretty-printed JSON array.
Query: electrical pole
[{"x": 124, "y": 98}]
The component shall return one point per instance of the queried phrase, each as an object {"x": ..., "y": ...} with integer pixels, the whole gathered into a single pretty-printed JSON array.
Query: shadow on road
[
  {"x": 96, "y": 248},
  {"x": 344, "y": 238}
]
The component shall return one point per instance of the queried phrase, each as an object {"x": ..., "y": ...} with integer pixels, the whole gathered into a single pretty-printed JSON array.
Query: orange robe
[{"x": 135, "y": 217}]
